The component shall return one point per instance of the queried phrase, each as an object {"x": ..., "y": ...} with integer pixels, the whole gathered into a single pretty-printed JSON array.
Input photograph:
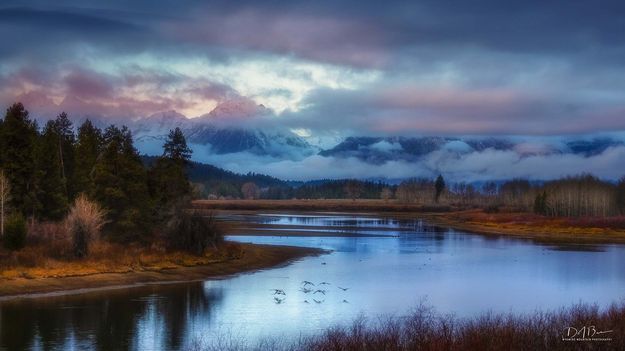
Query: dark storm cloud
[
  {"x": 329, "y": 29},
  {"x": 535, "y": 67},
  {"x": 62, "y": 20}
]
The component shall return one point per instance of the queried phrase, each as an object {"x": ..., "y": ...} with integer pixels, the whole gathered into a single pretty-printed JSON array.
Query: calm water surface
[{"x": 395, "y": 266}]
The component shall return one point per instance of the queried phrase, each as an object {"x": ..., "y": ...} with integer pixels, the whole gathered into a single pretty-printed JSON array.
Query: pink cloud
[
  {"x": 83, "y": 92},
  {"x": 86, "y": 84},
  {"x": 337, "y": 40}
]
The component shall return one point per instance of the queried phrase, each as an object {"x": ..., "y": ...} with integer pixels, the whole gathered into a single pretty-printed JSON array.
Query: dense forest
[{"x": 94, "y": 180}]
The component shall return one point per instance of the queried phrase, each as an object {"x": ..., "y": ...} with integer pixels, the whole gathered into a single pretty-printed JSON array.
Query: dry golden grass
[
  {"x": 37, "y": 261},
  {"x": 531, "y": 225}
]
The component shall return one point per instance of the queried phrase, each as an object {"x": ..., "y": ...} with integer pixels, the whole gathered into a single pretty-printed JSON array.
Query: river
[{"x": 377, "y": 266}]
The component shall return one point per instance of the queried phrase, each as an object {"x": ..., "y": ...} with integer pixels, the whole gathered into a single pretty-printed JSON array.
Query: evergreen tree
[
  {"x": 540, "y": 204},
  {"x": 17, "y": 143},
  {"x": 176, "y": 148},
  {"x": 88, "y": 148},
  {"x": 52, "y": 187},
  {"x": 168, "y": 177},
  {"x": 65, "y": 146},
  {"x": 439, "y": 187},
  {"x": 120, "y": 185}
]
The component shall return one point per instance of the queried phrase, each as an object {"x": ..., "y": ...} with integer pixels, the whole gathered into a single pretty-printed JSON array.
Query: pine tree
[
  {"x": 439, "y": 187},
  {"x": 17, "y": 143},
  {"x": 52, "y": 187},
  {"x": 168, "y": 177},
  {"x": 120, "y": 185},
  {"x": 88, "y": 148},
  {"x": 66, "y": 143},
  {"x": 176, "y": 148},
  {"x": 540, "y": 204}
]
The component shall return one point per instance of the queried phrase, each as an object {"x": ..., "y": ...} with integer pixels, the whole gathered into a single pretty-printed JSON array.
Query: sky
[{"x": 533, "y": 68}]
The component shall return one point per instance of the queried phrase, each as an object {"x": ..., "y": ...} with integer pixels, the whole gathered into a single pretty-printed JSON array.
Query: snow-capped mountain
[
  {"x": 235, "y": 109},
  {"x": 214, "y": 133},
  {"x": 243, "y": 127}
]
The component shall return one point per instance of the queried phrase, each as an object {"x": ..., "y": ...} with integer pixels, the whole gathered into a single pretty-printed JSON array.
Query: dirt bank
[{"x": 253, "y": 257}]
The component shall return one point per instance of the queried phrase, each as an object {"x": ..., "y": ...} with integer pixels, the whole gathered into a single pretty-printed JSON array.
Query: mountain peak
[
  {"x": 240, "y": 108},
  {"x": 170, "y": 115}
]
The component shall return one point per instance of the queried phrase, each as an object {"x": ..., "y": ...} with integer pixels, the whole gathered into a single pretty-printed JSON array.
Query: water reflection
[
  {"x": 458, "y": 272},
  {"x": 328, "y": 224},
  {"x": 147, "y": 318}
]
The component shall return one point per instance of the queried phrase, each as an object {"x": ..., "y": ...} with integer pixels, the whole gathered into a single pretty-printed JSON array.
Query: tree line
[
  {"x": 45, "y": 170},
  {"x": 573, "y": 196}
]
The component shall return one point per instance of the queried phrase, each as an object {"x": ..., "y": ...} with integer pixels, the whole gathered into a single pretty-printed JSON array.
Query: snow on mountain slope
[{"x": 214, "y": 133}]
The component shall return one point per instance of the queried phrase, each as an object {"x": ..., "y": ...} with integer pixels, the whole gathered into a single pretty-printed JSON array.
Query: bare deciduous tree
[
  {"x": 5, "y": 193},
  {"x": 353, "y": 189},
  {"x": 417, "y": 190},
  {"x": 250, "y": 191},
  {"x": 84, "y": 221},
  {"x": 386, "y": 194}
]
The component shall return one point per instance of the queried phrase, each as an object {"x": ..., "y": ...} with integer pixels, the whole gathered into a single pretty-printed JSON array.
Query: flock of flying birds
[{"x": 308, "y": 288}]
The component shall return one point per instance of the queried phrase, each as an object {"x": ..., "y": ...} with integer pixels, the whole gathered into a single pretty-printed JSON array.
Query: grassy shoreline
[
  {"x": 525, "y": 225},
  {"x": 251, "y": 258},
  {"x": 545, "y": 230}
]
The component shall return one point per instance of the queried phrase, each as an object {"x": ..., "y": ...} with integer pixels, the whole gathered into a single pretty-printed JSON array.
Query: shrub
[
  {"x": 193, "y": 232},
  {"x": 14, "y": 232},
  {"x": 84, "y": 223}
]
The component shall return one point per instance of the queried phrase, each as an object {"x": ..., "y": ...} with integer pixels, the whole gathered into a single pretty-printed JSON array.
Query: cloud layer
[
  {"x": 483, "y": 165},
  {"x": 418, "y": 67}
]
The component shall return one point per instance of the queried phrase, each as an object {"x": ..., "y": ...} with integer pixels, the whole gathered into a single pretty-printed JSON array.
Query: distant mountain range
[
  {"x": 227, "y": 130},
  {"x": 378, "y": 150}
]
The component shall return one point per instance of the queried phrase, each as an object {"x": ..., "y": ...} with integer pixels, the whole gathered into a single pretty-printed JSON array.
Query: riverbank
[
  {"x": 20, "y": 282},
  {"x": 526, "y": 225},
  {"x": 539, "y": 228},
  {"x": 318, "y": 205}
]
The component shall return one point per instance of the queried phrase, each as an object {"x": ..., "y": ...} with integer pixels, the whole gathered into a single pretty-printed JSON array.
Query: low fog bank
[{"x": 489, "y": 164}]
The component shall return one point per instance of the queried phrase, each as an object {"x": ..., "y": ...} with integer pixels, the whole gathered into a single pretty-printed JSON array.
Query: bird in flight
[
  {"x": 317, "y": 301},
  {"x": 320, "y": 291},
  {"x": 306, "y": 282},
  {"x": 344, "y": 289},
  {"x": 324, "y": 283},
  {"x": 305, "y": 290},
  {"x": 278, "y": 292},
  {"x": 278, "y": 300}
]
